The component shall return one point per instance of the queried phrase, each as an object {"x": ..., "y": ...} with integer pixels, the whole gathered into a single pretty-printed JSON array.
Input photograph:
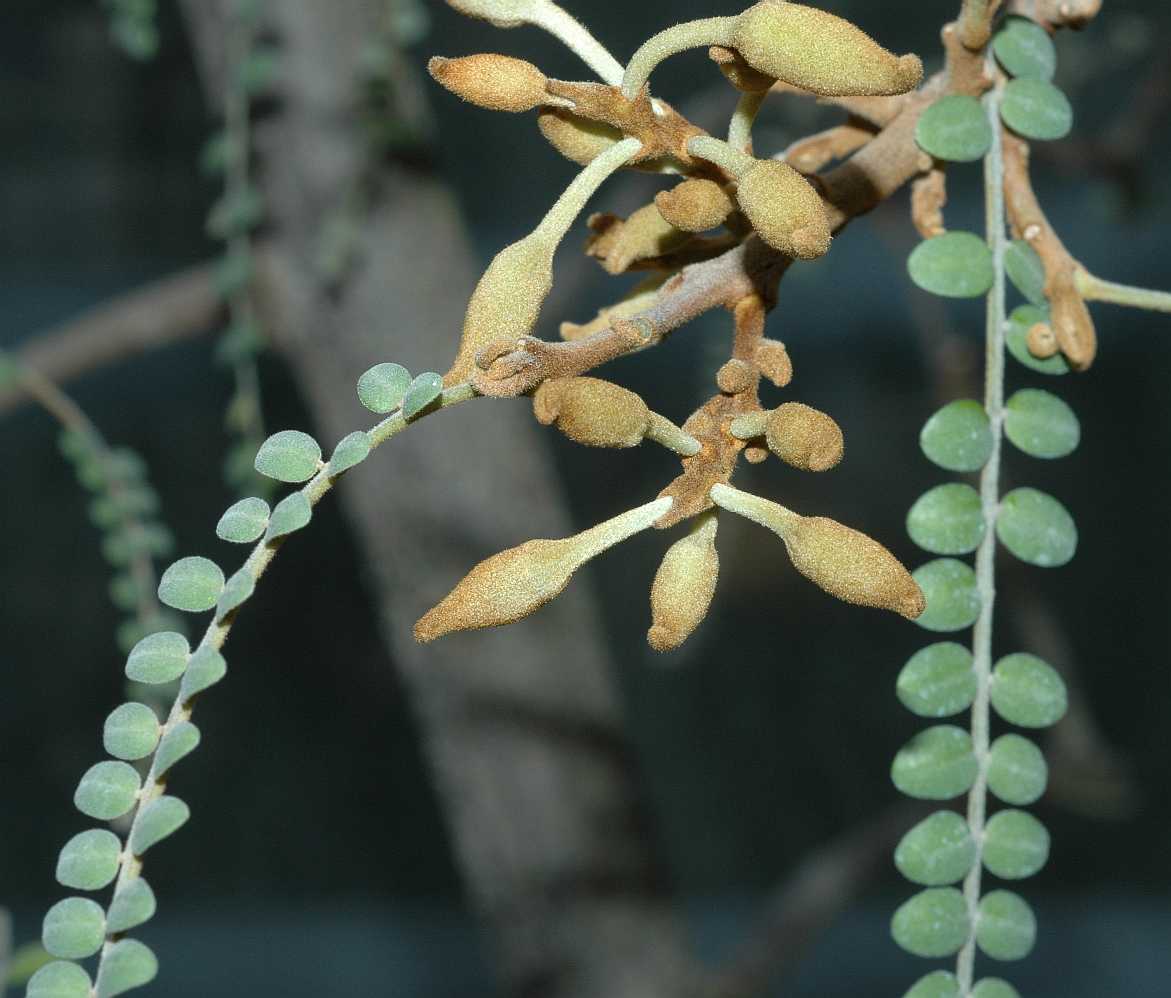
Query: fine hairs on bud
[
  {"x": 842, "y": 561},
  {"x": 804, "y": 437},
  {"x": 684, "y": 586},
  {"x": 820, "y": 52},
  {"x": 695, "y": 205},
  {"x": 507, "y": 301},
  {"x": 592, "y": 411},
  {"x": 495, "y": 82},
  {"x": 578, "y": 139},
  {"x": 509, "y": 586},
  {"x": 646, "y": 234},
  {"x": 782, "y": 206}
]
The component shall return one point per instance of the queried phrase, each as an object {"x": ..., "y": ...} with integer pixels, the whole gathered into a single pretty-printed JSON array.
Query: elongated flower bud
[
  {"x": 804, "y": 437},
  {"x": 508, "y": 299},
  {"x": 684, "y": 586},
  {"x": 800, "y": 45},
  {"x": 495, "y": 82},
  {"x": 845, "y": 563},
  {"x": 817, "y": 51},
  {"x": 601, "y": 414},
  {"x": 695, "y": 205},
  {"x": 577, "y": 139},
  {"x": 511, "y": 585},
  {"x": 592, "y": 411},
  {"x": 499, "y": 13},
  {"x": 784, "y": 209},
  {"x": 620, "y": 243}
]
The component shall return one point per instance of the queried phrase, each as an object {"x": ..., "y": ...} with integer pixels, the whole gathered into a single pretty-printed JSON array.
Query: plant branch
[
  {"x": 823, "y": 884},
  {"x": 990, "y": 508},
  {"x": 175, "y": 308},
  {"x": 155, "y": 782}
]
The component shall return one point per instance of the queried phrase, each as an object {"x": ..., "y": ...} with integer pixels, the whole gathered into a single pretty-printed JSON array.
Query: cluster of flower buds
[{"x": 614, "y": 124}]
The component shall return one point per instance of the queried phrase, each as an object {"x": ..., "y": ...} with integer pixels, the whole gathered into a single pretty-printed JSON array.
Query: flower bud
[
  {"x": 592, "y": 411},
  {"x": 804, "y": 437},
  {"x": 684, "y": 586},
  {"x": 817, "y": 51},
  {"x": 695, "y": 205},
  {"x": 785, "y": 210},
  {"x": 499, "y": 13},
  {"x": 774, "y": 362},
  {"x": 511, "y": 585},
  {"x": 619, "y": 243},
  {"x": 495, "y": 82},
  {"x": 853, "y": 567},
  {"x": 577, "y": 139},
  {"x": 845, "y": 563},
  {"x": 507, "y": 302}
]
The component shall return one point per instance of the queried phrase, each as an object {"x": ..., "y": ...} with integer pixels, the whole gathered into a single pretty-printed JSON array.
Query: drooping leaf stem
[
  {"x": 154, "y": 783},
  {"x": 74, "y": 421},
  {"x": 996, "y": 320}
]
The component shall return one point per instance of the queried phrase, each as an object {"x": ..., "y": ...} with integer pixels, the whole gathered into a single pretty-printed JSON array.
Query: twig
[
  {"x": 175, "y": 308},
  {"x": 802, "y": 907}
]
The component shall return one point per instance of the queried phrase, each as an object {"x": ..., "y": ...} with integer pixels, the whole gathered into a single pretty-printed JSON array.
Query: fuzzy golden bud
[
  {"x": 619, "y": 243},
  {"x": 735, "y": 376},
  {"x": 507, "y": 301},
  {"x": 695, "y": 205},
  {"x": 598, "y": 413},
  {"x": 684, "y": 586},
  {"x": 817, "y": 51},
  {"x": 577, "y": 139},
  {"x": 1041, "y": 341},
  {"x": 511, "y": 585},
  {"x": 499, "y": 13},
  {"x": 773, "y": 361},
  {"x": 785, "y": 210},
  {"x": 592, "y": 411},
  {"x": 495, "y": 82},
  {"x": 804, "y": 437},
  {"x": 842, "y": 561}
]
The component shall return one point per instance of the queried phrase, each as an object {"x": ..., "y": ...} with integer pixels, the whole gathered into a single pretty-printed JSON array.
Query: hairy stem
[
  {"x": 726, "y": 155},
  {"x": 976, "y": 22},
  {"x": 1095, "y": 289},
  {"x": 671, "y": 41},
  {"x": 740, "y": 129},
  {"x": 576, "y": 37},
  {"x": 662, "y": 431},
  {"x": 990, "y": 505},
  {"x": 154, "y": 784}
]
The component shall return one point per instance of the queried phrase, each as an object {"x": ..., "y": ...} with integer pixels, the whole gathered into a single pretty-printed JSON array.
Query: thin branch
[
  {"x": 175, "y": 308},
  {"x": 975, "y": 24},
  {"x": 825, "y": 883}
]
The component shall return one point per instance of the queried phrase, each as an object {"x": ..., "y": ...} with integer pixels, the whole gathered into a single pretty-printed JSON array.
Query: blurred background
[{"x": 335, "y": 818}]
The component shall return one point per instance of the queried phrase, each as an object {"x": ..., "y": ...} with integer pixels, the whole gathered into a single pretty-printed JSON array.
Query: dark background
[{"x": 316, "y": 861}]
